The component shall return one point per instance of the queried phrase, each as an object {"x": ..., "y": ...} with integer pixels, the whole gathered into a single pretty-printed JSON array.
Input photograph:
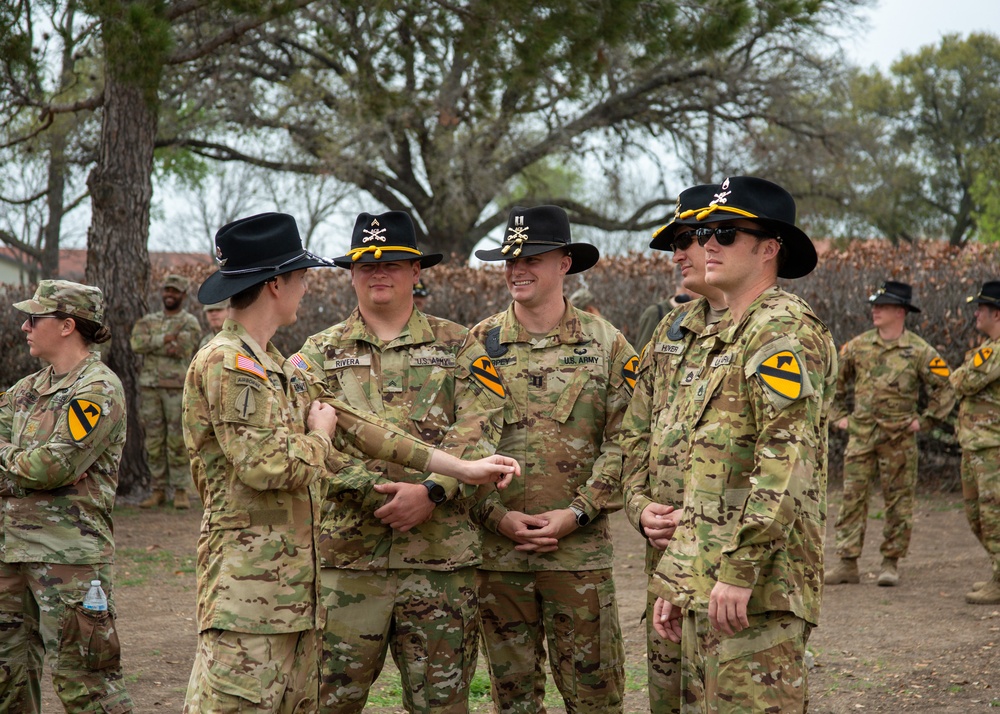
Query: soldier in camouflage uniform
[
  {"x": 652, "y": 316},
  {"x": 62, "y": 431},
  {"x": 546, "y": 575},
  {"x": 740, "y": 583},
  {"x": 886, "y": 367},
  {"x": 396, "y": 544},
  {"x": 259, "y": 445},
  {"x": 166, "y": 340},
  {"x": 977, "y": 383},
  {"x": 215, "y": 313},
  {"x": 653, "y": 477}
]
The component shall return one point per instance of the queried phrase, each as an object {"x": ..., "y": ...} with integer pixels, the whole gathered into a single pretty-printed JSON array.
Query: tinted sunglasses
[
  {"x": 726, "y": 235},
  {"x": 33, "y": 318}
]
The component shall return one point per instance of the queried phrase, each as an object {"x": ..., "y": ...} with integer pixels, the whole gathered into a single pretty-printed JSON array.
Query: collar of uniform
[
  {"x": 45, "y": 376},
  {"x": 902, "y": 341},
  {"x": 417, "y": 330},
  {"x": 269, "y": 357},
  {"x": 570, "y": 328},
  {"x": 729, "y": 330}
]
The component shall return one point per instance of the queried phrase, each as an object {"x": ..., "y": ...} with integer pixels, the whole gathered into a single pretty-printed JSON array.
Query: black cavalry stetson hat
[
  {"x": 894, "y": 293},
  {"x": 253, "y": 250},
  {"x": 687, "y": 200},
  {"x": 767, "y": 204},
  {"x": 989, "y": 294},
  {"x": 542, "y": 229},
  {"x": 385, "y": 238}
]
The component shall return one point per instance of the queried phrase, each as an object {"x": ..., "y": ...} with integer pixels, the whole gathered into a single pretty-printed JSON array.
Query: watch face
[{"x": 435, "y": 491}]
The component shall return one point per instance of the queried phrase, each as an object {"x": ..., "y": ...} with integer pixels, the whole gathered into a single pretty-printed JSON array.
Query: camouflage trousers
[
  {"x": 663, "y": 667},
  {"x": 41, "y": 620},
  {"x": 981, "y": 491},
  {"x": 160, "y": 412},
  {"x": 574, "y": 615},
  {"x": 892, "y": 458},
  {"x": 761, "y": 669},
  {"x": 238, "y": 673},
  {"x": 427, "y": 618}
]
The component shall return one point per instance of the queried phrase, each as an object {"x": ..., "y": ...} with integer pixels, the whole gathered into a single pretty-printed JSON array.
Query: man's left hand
[{"x": 409, "y": 505}]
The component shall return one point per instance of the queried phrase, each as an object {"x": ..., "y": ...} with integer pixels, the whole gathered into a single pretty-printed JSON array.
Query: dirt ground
[{"x": 917, "y": 647}]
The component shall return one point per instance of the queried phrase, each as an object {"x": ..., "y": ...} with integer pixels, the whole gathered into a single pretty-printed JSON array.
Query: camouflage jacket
[
  {"x": 977, "y": 383},
  {"x": 671, "y": 363},
  {"x": 164, "y": 364},
  {"x": 566, "y": 396},
  {"x": 61, "y": 439},
  {"x": 434, "y": 381},
  {"x": 886, "y": 379},
  {"x": 258, "y": 474},
  {"x": 752, "y": 439}
]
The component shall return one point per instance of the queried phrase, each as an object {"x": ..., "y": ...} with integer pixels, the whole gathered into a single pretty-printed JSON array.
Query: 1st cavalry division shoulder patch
[
  {"x": 486, "y": 374},
  {"x": 782, "y": 373},
  {"x": 83, "y": 417},
  {"x": 981, "y": 356},
  {"x": 630, "y": 372},
  {"x": 939, "y": 367}
]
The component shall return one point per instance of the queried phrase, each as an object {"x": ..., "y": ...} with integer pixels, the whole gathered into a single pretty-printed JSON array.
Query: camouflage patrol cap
[
  {"x": 177, "y": 282},
  {"x": 215, "y": 306},
  {"x": 83, "y": 301},
  {"x": 582, "y": 298}
]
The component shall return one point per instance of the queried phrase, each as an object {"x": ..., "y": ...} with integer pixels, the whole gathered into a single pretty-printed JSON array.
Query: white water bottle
[{"x": 95, "y": 600}]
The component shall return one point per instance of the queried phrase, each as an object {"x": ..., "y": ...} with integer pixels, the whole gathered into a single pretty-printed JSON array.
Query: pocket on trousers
[
  {"x": 226, "y": 680},
  {"x": 89, "y": 641}
]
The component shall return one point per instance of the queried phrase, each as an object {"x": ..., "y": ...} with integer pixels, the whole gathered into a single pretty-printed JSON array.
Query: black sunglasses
[
  {"x": 683, "y": 241},
  {"x": 33, "y": 318},
  {"x": 726, "y": 235}
]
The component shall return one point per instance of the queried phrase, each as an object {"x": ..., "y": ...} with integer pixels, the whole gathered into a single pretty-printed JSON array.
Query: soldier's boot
[
  {"x": 989, "y": 594},
  {"x": 846, "y": 571},
  {"x": 156, "y": 498},
  {"x": 181, "y": 502},
  {"x": 979, "y": 585},
  {"x": 888, "y": 576}
]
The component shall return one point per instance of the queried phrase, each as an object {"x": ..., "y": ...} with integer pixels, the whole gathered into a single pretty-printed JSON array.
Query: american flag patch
[
  {"x": 245, "y": 364},
  {"x": 299, "y": 361}
]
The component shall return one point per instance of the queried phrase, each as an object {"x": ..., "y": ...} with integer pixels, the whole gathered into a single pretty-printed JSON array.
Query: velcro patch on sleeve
[
  {"x": 630, "y": 371},
  {"x": 939, "y": 367},
  {"x": 83, "y": 418},
  {"x": 779, "y": 368},
  {"x": 486, "y": 374},
  {"x": 299, "y": 361},
  {"x": 250, "y": 366},
  {"x": 982, "y": 356}
]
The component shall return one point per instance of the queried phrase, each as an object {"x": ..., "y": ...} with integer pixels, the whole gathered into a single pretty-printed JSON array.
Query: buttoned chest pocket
[
  {"x": 570, "y": 384},
  {"x": 432, "y": 407}
]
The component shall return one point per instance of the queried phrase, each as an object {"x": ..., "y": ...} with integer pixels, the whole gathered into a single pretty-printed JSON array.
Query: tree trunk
[{"x": 117, "y": 258}]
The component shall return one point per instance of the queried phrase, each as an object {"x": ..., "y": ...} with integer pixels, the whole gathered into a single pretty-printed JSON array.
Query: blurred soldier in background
[
  {"x": 215, "y": 313},
  {"x": 977, "y": 383},
  {"x": 421, "y": 295},
  {"x": 585, "y": 300},
  {"x": 397, "y": 544},
  {"x": 547, "y": 556},
  {"x": 885, "y": 368},
  {"x": 166, "y": 340}
]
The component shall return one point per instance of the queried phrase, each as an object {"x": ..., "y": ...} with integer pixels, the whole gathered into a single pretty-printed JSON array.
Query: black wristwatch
[{"x": 436, "y": 492}]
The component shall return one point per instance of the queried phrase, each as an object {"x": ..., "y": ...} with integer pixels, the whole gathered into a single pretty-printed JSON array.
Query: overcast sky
[{"x": 898, "y": 26}]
